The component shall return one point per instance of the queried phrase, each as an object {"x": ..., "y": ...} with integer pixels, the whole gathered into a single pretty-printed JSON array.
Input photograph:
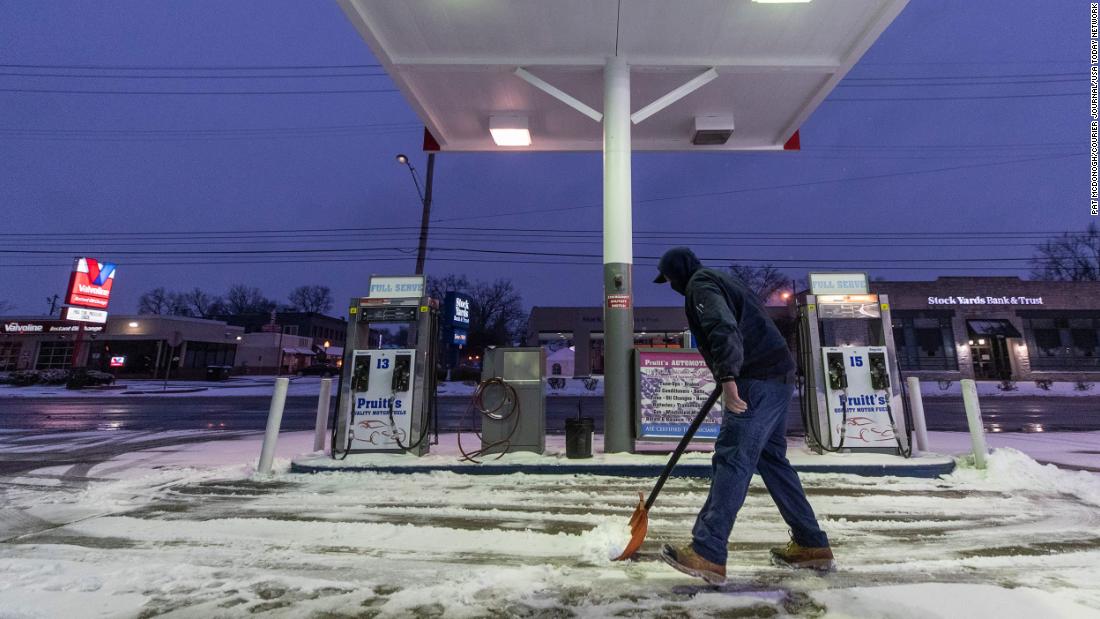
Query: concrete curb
[{"x": 929, "y": 470}]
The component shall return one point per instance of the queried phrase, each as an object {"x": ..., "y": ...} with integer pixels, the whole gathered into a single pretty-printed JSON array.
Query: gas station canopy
[
  {"x": 756, "y": 68},
  {"x": 617, "y": 76}
]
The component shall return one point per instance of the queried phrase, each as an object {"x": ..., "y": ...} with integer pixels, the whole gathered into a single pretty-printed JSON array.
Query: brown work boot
[
  {"x": 797, "y": 556},
  {"x": 686, "y": 560}
]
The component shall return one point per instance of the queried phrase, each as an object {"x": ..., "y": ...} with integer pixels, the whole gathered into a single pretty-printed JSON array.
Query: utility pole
[
  {"x": 53, "y": 303},
  {"x": 422, "y": 250}
]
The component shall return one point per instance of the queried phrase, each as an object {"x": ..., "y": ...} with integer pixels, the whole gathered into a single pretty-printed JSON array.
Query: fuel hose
[{"x": 507, "y": 409}]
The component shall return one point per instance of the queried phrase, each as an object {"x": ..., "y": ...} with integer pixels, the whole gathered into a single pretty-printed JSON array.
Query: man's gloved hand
[{"x": 731, "y": 399}]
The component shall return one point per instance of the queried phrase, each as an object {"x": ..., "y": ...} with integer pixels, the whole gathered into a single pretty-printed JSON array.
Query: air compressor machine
[
  {"x": 851, "y": 396},
  {"x": 387, "y": 393}
]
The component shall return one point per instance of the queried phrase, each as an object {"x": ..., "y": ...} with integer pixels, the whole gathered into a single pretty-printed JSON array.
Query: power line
[
  {"x": 1075, "y": 74},
  {"x": 557, "y": 262},
  {"x": 198, "y": 92},
  {"x": 118, "y": 76},
  {"x": 711, "y": 194},
  {"x": 958, "y": 98},
  {"x": 1075, "y": 80},
  {"x": 328, "y": 250},
  {"x": 233, "y": 234},
  {"x": 116, "y": 67},
  {"x": 137, "y": 135},
  {"x": 118, "y": 247}
]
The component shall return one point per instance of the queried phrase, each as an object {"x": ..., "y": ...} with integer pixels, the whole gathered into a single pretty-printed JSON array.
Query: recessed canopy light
[{"x": 509, "y": 130}]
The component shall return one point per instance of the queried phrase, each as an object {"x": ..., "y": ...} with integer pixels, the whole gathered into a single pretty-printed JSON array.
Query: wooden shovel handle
[{"x": 698, "y": 421}]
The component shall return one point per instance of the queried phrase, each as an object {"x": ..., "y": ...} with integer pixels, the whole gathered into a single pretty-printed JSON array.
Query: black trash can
[{"x": 578, "y": 437}]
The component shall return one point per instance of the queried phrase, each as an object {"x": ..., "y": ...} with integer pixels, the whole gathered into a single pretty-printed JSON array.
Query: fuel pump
[
  {"x": 847, "y": 398},
  {"x": 387, "y": 393}
]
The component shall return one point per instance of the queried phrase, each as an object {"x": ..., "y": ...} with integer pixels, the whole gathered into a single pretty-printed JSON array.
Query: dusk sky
[{"x": 974, "y": 149}]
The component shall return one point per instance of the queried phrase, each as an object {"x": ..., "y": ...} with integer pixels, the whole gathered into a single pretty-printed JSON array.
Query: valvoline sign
[{"x": 90, "y": 283}]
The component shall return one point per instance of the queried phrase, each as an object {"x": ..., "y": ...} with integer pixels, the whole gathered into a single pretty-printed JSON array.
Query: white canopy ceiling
[{"x": 455, "y": 62}]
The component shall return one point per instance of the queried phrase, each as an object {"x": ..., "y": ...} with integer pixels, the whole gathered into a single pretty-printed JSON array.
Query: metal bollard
[
  {"x": 274, "y": 421},
  {"x": 916, "y": 404},
  {"x": 323, "y": 401},
  {"x": 974, "y": 421}
]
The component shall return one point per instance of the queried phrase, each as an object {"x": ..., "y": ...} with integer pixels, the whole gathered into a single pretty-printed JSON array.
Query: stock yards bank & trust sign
[{"x": 985, "y": 300}]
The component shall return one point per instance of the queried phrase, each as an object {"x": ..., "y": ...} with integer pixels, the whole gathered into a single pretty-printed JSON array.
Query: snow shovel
[{"x": 639, "y": 522}]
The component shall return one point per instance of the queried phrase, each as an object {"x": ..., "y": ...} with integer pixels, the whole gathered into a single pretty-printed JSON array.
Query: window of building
[
  {"x": 9, "y": 355},
  {"x": 1063, "y": 340},
  {"x": 925, "y": 341},
  {"x": 556, "y": 369},
  {"x": 55, "y": 355},
  {"x": 290, "y": 329},
  {"x": 203, "y": 354},
  {"x": 659, "y": 340}
]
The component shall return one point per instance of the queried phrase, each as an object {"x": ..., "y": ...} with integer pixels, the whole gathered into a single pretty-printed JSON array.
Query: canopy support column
[{"x": 618, "y": 257}]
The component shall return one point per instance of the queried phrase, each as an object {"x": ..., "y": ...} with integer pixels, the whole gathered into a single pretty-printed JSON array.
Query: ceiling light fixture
[{"x": 510, "y": 130}]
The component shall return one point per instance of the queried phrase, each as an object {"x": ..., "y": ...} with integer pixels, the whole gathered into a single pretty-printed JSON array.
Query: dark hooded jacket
[{"x": 732, "y": 328}]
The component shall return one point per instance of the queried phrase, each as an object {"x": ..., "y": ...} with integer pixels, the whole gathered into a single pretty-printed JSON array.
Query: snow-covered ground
[{"x": 188, "y": 530}]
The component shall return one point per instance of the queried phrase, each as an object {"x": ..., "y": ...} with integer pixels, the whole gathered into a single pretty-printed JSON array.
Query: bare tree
[
  {"x": 1073, "y": 257},
  {"x": 439, "y": 286},
  {"x": 311, "y": 299},
  {"x": 163, "y": 302},
  {"x": 764, "y": 280},
  {"x": 242, "y": 299},
  {"x": 201, "y": 304},
  {"x": 496, "y": 313}
]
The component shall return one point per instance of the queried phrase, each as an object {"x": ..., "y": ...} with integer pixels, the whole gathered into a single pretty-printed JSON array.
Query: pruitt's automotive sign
[
  {"x": 672, "y": 386},
  {"x": 90, "y": 283}
]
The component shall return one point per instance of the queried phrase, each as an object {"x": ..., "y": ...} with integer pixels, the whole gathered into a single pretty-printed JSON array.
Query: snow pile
[
  {"x": 1011, "y": 470},
  {"x": 947, "y": 601},
  {"x": 605, "y": 542}
]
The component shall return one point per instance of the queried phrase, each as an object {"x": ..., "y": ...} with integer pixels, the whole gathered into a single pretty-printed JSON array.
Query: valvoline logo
[{"x": 98, "y": 272}]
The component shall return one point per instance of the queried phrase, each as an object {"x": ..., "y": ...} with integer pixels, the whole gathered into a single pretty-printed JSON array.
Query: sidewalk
[{"x": 648, "y": 462}]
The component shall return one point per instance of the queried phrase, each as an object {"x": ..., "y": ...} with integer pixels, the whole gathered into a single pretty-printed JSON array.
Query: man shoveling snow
[{"x": 749, "y": 358}]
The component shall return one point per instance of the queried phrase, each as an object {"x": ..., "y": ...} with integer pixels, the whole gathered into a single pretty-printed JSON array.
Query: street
[{"x": 158, "y": 413}]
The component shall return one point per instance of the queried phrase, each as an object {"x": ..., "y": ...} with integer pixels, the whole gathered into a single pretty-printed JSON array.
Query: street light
[{"x": 426, "y": 203}]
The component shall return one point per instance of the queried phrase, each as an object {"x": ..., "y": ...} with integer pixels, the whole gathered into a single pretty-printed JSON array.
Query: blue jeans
[{"x": 754, "y": 441}]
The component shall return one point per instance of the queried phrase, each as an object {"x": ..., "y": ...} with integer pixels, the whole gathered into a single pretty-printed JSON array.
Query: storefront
[
  {"x": 573, "y": 336},
  {"x": 32, "y": 342},
  {"x": 996, "y": 328},
  {"x": 142, "y": 346}
]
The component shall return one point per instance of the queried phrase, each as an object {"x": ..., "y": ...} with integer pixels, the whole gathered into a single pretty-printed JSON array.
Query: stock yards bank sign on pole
[{"x": 672, "y": 387}]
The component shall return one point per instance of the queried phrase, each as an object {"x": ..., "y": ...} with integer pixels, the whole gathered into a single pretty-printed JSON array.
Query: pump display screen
[
  {"x": 848, "y": 306},
  {"x": 389, "y": 335}
]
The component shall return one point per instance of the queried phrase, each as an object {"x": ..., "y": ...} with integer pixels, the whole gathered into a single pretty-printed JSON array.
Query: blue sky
[{"x": 982, "y": 129}]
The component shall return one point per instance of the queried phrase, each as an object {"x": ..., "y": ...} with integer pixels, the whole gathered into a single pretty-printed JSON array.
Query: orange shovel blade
[{"x": 639, "y": 525}]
